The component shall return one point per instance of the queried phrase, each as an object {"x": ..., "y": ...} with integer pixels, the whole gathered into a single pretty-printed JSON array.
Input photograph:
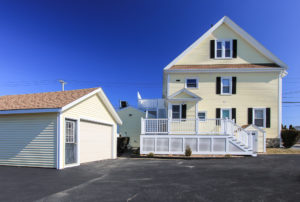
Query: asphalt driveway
[{"x": 265, "y": 178}]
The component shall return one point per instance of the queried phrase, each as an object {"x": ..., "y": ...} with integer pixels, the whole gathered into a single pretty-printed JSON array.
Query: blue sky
[{"x": 123, "y": 46}]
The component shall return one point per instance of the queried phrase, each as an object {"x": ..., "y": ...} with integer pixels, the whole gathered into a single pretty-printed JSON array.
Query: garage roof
[{"x": 51, "y": 101}]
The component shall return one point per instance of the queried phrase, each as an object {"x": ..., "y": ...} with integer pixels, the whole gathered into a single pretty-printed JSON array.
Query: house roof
[
  {"x": 253, "y": 42},
  {"x": 52, "y": 102},
  {"x": 42, "y": 100},
  {"x": 224, "y": 66}
]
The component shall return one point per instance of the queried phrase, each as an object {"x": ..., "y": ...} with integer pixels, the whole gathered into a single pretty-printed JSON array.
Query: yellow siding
[
  {"x": 201, "y": 53},
  {"x": 91, "y": 108},
  {"x": 131, "y": 126},
  {"x": 28, "y": 140},
  {"x": 253, "y": 90}
]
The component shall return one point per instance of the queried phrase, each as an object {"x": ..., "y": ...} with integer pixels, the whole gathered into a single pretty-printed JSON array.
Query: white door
[
  {"x": 71, "y": 142},
  {"x": 225, "y": 126},
  {"x": 96, "y": 141}
]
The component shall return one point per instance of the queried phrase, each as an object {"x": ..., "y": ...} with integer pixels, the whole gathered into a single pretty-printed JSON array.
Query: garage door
[
  {"x": 28, "y": 140},
  {"x": 95, "y": 141}
]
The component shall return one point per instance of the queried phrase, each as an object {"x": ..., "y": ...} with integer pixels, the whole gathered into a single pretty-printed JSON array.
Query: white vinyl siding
[{"x": 28, "y": 140}]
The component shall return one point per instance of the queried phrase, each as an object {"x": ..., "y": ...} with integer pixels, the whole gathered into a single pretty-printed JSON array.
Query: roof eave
[{"x": 31, "y": 111}]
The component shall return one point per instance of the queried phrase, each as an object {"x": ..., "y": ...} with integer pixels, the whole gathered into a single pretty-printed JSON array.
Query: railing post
[
  {"x": 225, "y": 126},
  {"x": 197, "y": 126}
]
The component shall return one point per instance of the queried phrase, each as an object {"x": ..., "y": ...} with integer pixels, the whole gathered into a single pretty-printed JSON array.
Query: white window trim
[
  {"x": 180, "y": 106},
  {"x": 77, "y": 141},
  {"x": 205, "y": 116},
  {"x": 180, "y": 112},
  {"x": 223, "y": 49},
  {"x": 197, "y": 84},
  {"x": 230, "y": 112},
  {"x": 264, "y": 114},
  {"x": 230, "y": 85}
]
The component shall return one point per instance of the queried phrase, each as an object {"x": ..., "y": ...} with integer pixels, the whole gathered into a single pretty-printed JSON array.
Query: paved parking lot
[{"x": 265, "y": 178}]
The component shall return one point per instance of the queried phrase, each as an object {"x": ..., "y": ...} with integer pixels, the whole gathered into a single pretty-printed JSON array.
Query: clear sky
[{"x": 123, "y": 46}]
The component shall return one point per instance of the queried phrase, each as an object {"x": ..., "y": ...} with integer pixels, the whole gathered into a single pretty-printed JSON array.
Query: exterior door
[
  {"x": 225, "y": 126},
  {"x": 71, "y": 142}
]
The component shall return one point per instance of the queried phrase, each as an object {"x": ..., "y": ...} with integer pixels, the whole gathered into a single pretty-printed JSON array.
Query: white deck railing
[
  {"x": 212, "y": 136},
  {"x": 151, "y": 103},
  {"x": 186, "y": 126}
]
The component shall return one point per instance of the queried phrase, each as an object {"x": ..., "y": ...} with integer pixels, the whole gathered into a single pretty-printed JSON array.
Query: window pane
[
  {"x": 259, "y": 114},
  {"x": 219, "y": 53},
  {"x": 191, "y": 83},
  {"x": 227, "y": 45},
  {"x": 227, "y": 53},
  {"x": 225, "y": 114},
  {"x": 219, "y": 45},
  {"x": 175, "y": 108},
  {"x": 175, "y": 111},
  {"x": 225, "y": 82},
  {"x": 201, "y": 115},
  {"x": 259, "y": 122},
  {"x": 226, "y": 89}
]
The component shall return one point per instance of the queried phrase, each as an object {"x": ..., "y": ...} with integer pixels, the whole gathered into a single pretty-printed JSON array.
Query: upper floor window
[
  {"x": 191, "y": 83},
  {"x": 226, "y": 85},
  {"x": 223, "y": 49}
]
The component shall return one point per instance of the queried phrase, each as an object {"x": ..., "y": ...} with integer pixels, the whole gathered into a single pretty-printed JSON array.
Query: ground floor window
[
  {"x": 259, "y": 117},
  {"x": 179, "y": 111},
  {"x": 226, "y": 113},
  {"x": 201, "y": 116}
]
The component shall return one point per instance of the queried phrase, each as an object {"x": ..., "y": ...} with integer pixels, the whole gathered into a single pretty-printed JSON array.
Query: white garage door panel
[
  {"x": 28, "y": 140},
  {"x": 95, "y": 142}
]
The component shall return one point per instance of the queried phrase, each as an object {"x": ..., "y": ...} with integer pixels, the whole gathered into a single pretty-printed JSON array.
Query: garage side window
[{"x": 70, "y": 132}]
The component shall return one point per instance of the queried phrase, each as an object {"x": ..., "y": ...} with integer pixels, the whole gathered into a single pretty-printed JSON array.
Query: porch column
[
  {"x": 169, "y": 115},
  {"x": 196, "y": 119}
]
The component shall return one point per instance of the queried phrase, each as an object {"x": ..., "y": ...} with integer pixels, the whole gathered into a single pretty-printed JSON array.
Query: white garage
[{"x": 57, "y": 129}]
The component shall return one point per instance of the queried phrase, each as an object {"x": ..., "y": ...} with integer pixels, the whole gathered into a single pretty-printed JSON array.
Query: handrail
[{"x": 242, "y": 135}]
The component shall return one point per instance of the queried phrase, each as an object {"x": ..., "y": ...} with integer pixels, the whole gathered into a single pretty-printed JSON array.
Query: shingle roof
[
  {"x": 224, "y": 66},
  {"x": 42, "y": 100}
]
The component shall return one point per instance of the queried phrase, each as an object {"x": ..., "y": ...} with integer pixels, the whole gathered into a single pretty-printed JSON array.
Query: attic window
[{"x": 223, "y": 49}]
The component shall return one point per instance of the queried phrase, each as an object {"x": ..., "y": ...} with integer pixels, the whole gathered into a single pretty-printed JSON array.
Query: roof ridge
[{"x": 52, "y": 92}]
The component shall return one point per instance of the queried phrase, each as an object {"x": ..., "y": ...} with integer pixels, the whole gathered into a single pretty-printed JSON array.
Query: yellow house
[
  {"x": 57, "y": 129},
  {"x": 223, "y": 82}
]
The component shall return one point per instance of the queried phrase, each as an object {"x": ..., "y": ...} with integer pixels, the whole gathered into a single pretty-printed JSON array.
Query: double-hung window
[
  {"x": 223, "y": 49},
  {"x": 191, "y": 83},
  {"x": 259, "y": 117},
  {"x": 179, "y": 111},
  {"x": 175, "y": 111},
  {"x": 226, "y": 85}
]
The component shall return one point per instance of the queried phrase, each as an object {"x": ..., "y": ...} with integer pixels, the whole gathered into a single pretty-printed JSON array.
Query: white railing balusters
[{"x": 186, "y": 126}]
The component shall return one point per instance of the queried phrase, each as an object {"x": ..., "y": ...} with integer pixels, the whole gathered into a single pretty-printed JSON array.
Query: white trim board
[
  {"x": 253, "y": 42},
  {"x": 281, "y": 70},
  {"x": 184, "y": 90},
  {"x": 103, "y": 97},
  {"x": 30, "y": 111}
]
